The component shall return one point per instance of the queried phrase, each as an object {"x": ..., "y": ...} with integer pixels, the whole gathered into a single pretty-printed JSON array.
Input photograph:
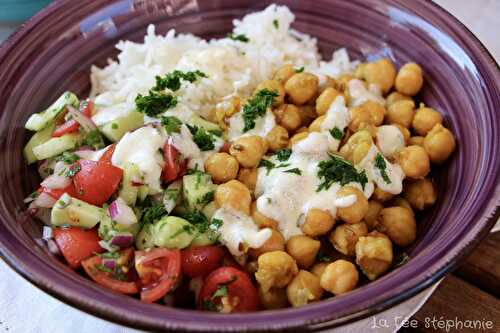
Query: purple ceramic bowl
[{"x": 54, "y": 50}]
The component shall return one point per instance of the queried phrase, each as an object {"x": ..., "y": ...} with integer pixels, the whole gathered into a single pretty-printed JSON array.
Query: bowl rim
[{"x": 490, "y": 215}]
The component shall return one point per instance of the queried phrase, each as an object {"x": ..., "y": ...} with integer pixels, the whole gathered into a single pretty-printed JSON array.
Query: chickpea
[
  {"x": 233, "y": 194},
  {"x": 414, "y": 161},
  {"x": 329, "y": 82},
  {"x": 225, "y": 109},
  {"x": 421, "y": 194},
  {"x": 277, "y": 138},
  {"x": 301, "y": 87},
  {"x": 307, "y": 114},
  {"x": 288, "y": 116},
  {"x": 368, "y": 113},
  {"x": 275, "y": 242},
  {"x": 276, "y": 269},
  {"x": 399, "y": 224},
  {"x": 274, "y": 298},
  {"x": 222, "y": 167},
  {"x": 374, "y": 208},
  {"x": 284, "y": 73},
  {"x": 405, "y": 131},
  {"x": 261, "y": 220},
  {"x": 339, "y": 277},
  {"x": 425, "y": 119},
  {"x": 326, "y": 98},
  {"x": 416, "y": 141},
  {"x": 248, "y": 176},
  {"x": 275, "y": 86},
  {"x": 319, "y": 268},
  {"x": 395, "y": 96},
  {"x": 355, "y": 212},
  {"x": 401, "y": 202},
  {"x": 318, "y": 222},
  {"x": 248, "y": 150},
  {"x": 439, "y": 143},
  {"x": 381, "y": 195},
  {"x": 316, "y": 124},
  {"x": 304, "y": 288},
  {"x": 345, "y": 237},
  {"x": 374, "y": 254},
  {"x": 401, "y": 112},
  {"x": 343, "y": 81},
  {"x": 382, "y": 73},
  {"x": 303, "y": 249},
  {"x": 409, "y": 79},
  {"x": 302, "y": 130},
  {"x": 361, "y": 138},
  {"x": 359, "y": 72},
  {"x": 297, "y": 137}
]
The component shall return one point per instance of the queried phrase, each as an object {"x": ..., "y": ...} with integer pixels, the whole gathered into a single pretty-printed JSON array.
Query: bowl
[{"x": 53, "y": 52}]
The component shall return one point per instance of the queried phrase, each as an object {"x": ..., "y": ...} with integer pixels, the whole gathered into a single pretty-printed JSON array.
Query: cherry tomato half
[
  {"x": 174, "y": 166},
  {"x": 201, "y": 260},
  {"x": 72, "y": 125},
  {"x": 108, "y": 154},
  {"x": 76, "y": 244},
  {"x": 159, "y": 272},
  {"x": 232, "y": 283}
]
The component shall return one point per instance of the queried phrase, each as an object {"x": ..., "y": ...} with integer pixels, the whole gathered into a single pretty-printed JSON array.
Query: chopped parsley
[
  {"x": 103, "y": 268},
  {"x": 72, "y": 170},
  {"x": 296, "y": 171},
  {"x": 171, "y": 124},
  {"x": 239, "y": 38},
  {"x": 299, "y": 70},
  {"x": 270, "y": 165},
  {"x": 220, "y": 292},
  {"x": 94, "y": 139},
  {"x": 209, "y": 305},
  {"x": 68, "y": 157},
  {"x": 323, "y": 257},
  {"x": 187, "y": 228},
  {"x": 336, "y": 133},
  {"x": 203, "y": 224},
  {"x": 203, "y": 139},
  {"x": 172, "y": 80},
  {"x": 381, "y": 165},
  {"x": 216, "y": 224},
  {"x": 401, "y": 259},
  {"x": 172, "y": 193},
  {"x": 276, "y": 23},
  {"x": 338, "y": 170},
  {"x": 114, "y": 126},
  {"x": 155, "y": 102},
  {"x": 207, "y": 198},
  {"x": 109, "y": 255},
  {"x": 152, "y": 213},
  {"x": 256, "y": 107},
  {"x": 283, "y": 154}
]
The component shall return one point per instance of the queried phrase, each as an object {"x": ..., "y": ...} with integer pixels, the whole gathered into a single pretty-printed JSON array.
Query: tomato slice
[
  {"x": 232, "y": 283},
  {"x": 56, "y": 193},
  {"x": 77, "y": 244},
  {"x": 201, "y": 260},
  {"x": 174, "y": 166},
  {"x": 95, "y": 182},
  {"x": 108, "y": 154},
  {"x": 107, "y": 278},
  {"x": 72, "y": 125},
  {"x": 159, "y": 272}
]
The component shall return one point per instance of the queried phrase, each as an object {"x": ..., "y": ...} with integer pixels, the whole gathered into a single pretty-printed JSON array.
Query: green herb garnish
[
  {"x": 172, "y": 80},
  {"x": 72, "y": 170},
  {"x": 207, "y": 198},
  {"x": 68, "y": 157},
  {"x": 266, "y": 164},
  {"x": 338, "y": 170},
  {"x": 299, "y": 70},
  {"x": 103, "y": 268},
  {"x": 152, "y": 213},
  {"x": 203, "y": 139},
  {"x": 323, "y": 257},
  {"x": 283, "y": 154},
  {"x": 172, "y": 193},
  {"x": 185, "y": 229},
  {"x": 155, "y": 103},
  {"x": 171, "y": 124},
  {"x": 336, "y": 133},
  {"x": 114, "y": 126},
  {"x": 256, "y": 107},
  {"x": 94, "y": 139},
  {"x": 216, "y": 224},
  {"x": 276, "y": 23},
  {"x": 381, "y": 165},
  {"x": 240, "y": 38},
  {"x": 296, "y": 171}
]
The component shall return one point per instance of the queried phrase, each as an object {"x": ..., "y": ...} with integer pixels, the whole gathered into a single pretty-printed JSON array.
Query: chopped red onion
[
  {"x": 47, "y": 233},
  {"x": 109, "y": 263},
  {"x": 108, "y": 247},
  {"x": 85, "y": 122},
  {"x": 53, "y": 248},
  {"x": 122, "y": 240},
  {"x": 43, "y": 200},
  {"x": 122, "y": 213}
]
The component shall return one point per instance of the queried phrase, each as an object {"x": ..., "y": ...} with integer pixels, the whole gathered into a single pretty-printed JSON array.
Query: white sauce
[
  {"x": 239, "y": 232},
  {"x": 337, "y": 116},
  {"x": 346, "y": 201},
  {"x": 358, "y": 94},
  {"x": 263, "y": 125},
  {"x": 390, "y": 140},
  {"x": 141, "y": 147}
]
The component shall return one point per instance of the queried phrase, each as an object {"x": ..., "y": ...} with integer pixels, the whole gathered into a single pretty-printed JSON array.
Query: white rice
[{"x": 232, "y": 67}]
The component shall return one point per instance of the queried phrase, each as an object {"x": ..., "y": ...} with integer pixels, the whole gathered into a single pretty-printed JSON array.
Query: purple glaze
[{"x": 53, "y": 51}]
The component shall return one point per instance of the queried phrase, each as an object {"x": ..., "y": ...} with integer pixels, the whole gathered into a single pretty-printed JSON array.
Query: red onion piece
[
  {"x": 85, "y": 122},
  {"x": 109, "y": 263},
  {"x": 53, "y": 248},
  {"x": 122, "y": 213},
  {"x": 122, "y": 239},
  {"x": 43, "y": 200}
]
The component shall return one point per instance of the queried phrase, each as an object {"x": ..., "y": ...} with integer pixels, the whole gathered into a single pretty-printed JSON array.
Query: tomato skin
[
  {"x": 159, "y": 271},
  {"x": 106, "y": 279},
  {"x": 108, "y": 154},
  {"x": 96, "y": 181},
  {"x": 77, "y": 244},
  {"x": 56, "y": 193},
  {"x": 201, "y": 260},
  {"x": 174, "y": 167},
  {"x": 238, "y": 286},
  {"x": 72, "y": 125}
]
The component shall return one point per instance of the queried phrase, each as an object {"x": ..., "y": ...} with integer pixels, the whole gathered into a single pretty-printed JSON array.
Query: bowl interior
[{"x": 54, "y": 52}]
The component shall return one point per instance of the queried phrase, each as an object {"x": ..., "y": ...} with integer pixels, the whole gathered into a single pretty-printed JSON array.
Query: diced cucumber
[
  {"x": 172, "y": 195},
  {"x": 198, "y": 190},
  {"x": 116, "y": 129},
  {"x": 77, "y": 213},
  {"x": 56, "y": 146},
  {"x": 143, "y": 192},
  {"x": 207, "y": 238},
  {"x": 144, "y": 239},
  {"x": 173, "y": 232},
  {"x": 37, "y": 139},
  {"x": 205, "y": 124},
  {"x": 128, "y": 191},
  {"x": 108, "y": 228},
  {"x": 40, "y": 120}
]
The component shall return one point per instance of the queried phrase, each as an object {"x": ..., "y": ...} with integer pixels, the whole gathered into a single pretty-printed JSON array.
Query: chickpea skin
[
  {"x": 374, "y": 208},
  {"x": 248, "y": 150},
  {"x": 304, "y": 288},
  {"x": 273, "y": 85},
  {"x": 301, "y": 87},
  {"x": 401, "y": 202},
  {"x": 356, "y": 212},
  {"x": 416, "y": 141},
  {"x": 303, "y": 249},
  {"x": 345, "y": 237},
  {"x": 288, "y": 116},
  {"x": 421, "y": 194},
  {"x": 394, "y": 97},
  {"x": 276, "y": 269},
  {"x": 368, "y": 113},
  {"x": 374, "y": 254},
  {"x": 277, "y": 138},
  {"x": 414, "y": 161},
  {"x": 261, "y": 220},
  {"x": 318, "y": 222},
  {"x": 382, "y": 73},
  {"x": 319, "y": 268},
  {"x": 339, "y": 277},
  {"x": 222, "y": 167},
  {"x": 326, "y": 98},
  {"x": 401, "y": 113},
  {"x": 425, "y": 119},
  {"x": 248, "y": 176},
  {"x": 233, "y": 194},
  {"x": 284, "y": 73},
  {"x": 409, "y": 80},
  {"x": 274, "y": 298},
  {"x": 399, "y": 224},
  {"x": 275, "y": 242},
  {"x": 439, "y": 143}
]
